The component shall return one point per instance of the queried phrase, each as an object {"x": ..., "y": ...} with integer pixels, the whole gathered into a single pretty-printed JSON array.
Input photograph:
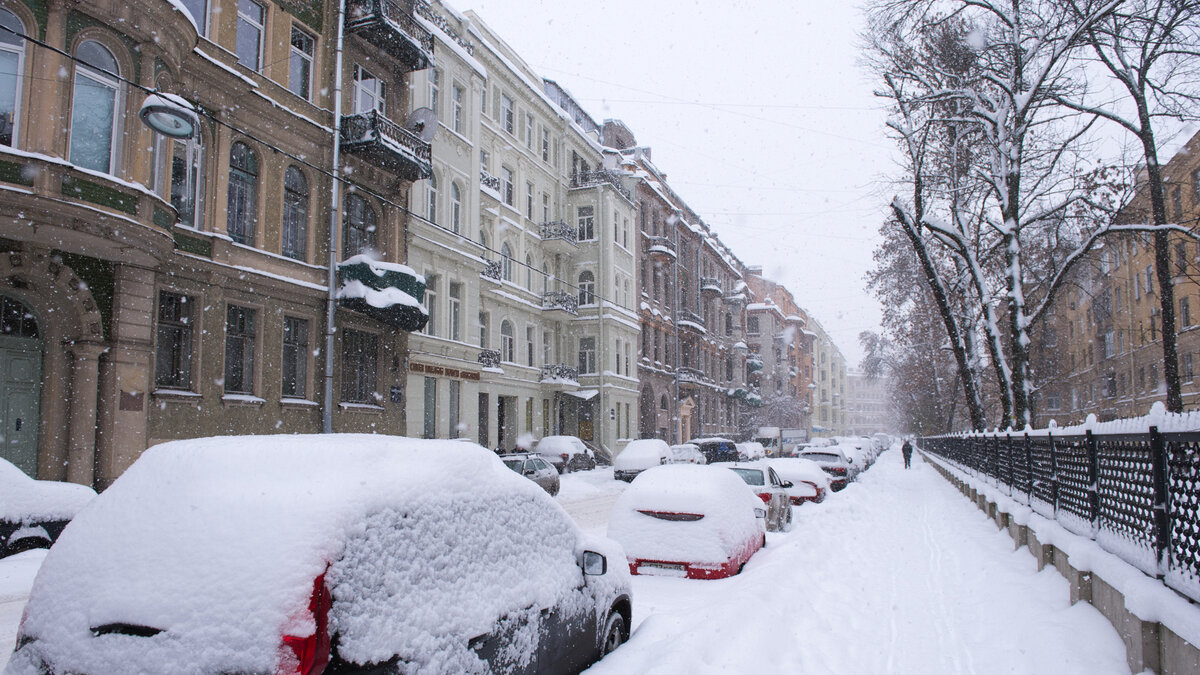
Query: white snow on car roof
[{"x": 23, "y": 499}]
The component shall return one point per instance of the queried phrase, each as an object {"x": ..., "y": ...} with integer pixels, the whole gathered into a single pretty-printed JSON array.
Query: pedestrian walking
[{"x": 906, "y": 449}]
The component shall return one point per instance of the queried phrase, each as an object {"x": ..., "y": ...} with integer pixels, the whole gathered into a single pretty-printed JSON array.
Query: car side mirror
[
  {"x": 787, "y": 483},
  {"x": 528, "y": 472},
  {"x": 594, "y": 564}
]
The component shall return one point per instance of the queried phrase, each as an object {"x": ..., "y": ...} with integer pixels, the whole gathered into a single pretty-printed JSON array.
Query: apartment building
[
  {"x": 781, "y": 354},
  {"x": 868, "y": 404},
  {"x": 828, "y": 383},
  {"x": 168, "y": 286}
]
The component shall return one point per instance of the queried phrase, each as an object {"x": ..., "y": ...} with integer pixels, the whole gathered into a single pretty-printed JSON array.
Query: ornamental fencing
[{"x": 1136, "y": 494}]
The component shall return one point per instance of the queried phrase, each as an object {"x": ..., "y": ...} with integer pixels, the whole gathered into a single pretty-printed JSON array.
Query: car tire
[{"x": 614, "y": 633}]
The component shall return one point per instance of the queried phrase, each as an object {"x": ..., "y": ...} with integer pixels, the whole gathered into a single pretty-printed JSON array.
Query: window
[
  {"x": 369, "y": 92},
  {"x": 545, "y": 145},
  {"x": 1149, "y": 279},
  {"x": 199, "y": 11},
  {"x": 1177, "y": 203},
  {"x": 430, "y": 417},
  {"x": 359, "y": 226},
  {"x": 455, "y": 310},
  {"x": 300, "y": 64},
  {"x": 507, "y": 118},
  {"x": 1185, "y": 313},
  {"x": 587, "y": 288},
  {"x": 547, "y": 348},
  {"x": 528, "y": 131},
  {"x": 662, "y": 402},
  {"x": 242, "y": 212},
  {"x": 484, "y": 342},
  {"x": 528, "y": 272},
  {"x": 187, "y": 185},
  {"x": 587, "y": 355},
  {"x": 295, "y": 357},
  {"x": 431, "y": 203},
  {"x": 455, "y": 396},
  {"x": 529, "y": 200},
  {"x": 752, "y": 326},
  {"x": 95, "y": 124},
  {"x": 295, "y": 214},
  {"x": 435, "y": 93},
  {"x": 431, "y": 303},
  {"x": 506, "y": 185},
  {"x": 530, "y": 333},
  {"x": 484, "y": 162},
  {"x": 483, "y": 100},
  {"x": 1180, "y": 257},
  {"x": 12, "y": 67},
  {"x": 239, "y": 350},
  {"x": 458, "y": 96},
  {"x": 586, "y": 223},
  {"x": 507, "y": 340},
  {"x": 506, "y": 261},
  {"x": 545, "y": 207},
  {"x": 251, "y": 18},
  {"x": 173, "y": 357},
  {"x": 1188, "y": 372},
  {"x": 359, "y": 357}
]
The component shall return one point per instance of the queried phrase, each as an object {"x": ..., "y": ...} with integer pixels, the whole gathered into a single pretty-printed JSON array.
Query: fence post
[
  {"x": 1028, "y": 471},
  {"x": 1009, "y": 461},
  {"x": 1053, "y": 476},
  {"x": 1162, "y": 523},
  {"x": 1093, "y": 489}
]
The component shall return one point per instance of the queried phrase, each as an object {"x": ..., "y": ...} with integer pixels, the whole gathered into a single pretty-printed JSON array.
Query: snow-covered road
[{"x": 896, "y": 574}]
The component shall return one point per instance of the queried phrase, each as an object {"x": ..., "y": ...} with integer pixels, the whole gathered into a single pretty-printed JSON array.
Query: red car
[
  {"x": 688, "y": 520},
  {"x": 809, "y": 482}
]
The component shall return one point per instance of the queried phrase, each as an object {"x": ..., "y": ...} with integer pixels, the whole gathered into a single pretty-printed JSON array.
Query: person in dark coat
[{"x": 906, "y": 449}]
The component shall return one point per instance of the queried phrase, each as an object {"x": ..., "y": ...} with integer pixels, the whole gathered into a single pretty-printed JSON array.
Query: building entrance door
[{"x": 20, "y": 385}]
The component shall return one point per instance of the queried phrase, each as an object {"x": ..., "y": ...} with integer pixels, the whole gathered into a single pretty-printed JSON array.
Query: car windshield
[
  {"x": 822, "y": 456},
  {"x": 751, "y": 476}
]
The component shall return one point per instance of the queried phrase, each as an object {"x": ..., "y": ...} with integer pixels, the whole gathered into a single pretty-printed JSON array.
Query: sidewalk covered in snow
[{"x": 896, "y": 574}]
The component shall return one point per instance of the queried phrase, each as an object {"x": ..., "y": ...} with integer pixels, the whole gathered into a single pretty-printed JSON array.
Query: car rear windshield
[
  {"x": 822, "y": 456},
  {"x": 515, "y": 464},
  {"x": 751, "y": 476}
]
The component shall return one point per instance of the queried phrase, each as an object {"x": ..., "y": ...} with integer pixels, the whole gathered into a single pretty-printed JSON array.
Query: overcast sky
[{"x": 758, "y": 113}]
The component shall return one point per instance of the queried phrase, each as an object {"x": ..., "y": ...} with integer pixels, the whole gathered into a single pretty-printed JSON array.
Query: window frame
[
  {"x": 294, "y": 216},
  {"x": 99, "y": 78},
  {"x": 241, "y": 331},
  {"x": 294, "y": 354},
  {"x": 16, "y": 48},
  {"x": 260, "y": 30},
  {"x": 179, "y": 345},
  {"x": 241, "y": 224},
  {"x": 360, "y": 356},
  {"x": 297, "y": 55}
]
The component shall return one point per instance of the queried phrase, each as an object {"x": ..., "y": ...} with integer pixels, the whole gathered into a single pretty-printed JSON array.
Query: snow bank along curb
[{"x": 1160, "y": 629}]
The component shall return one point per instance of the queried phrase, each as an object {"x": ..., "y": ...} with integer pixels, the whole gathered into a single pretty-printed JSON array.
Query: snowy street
[{"x": 896, "y": 574}]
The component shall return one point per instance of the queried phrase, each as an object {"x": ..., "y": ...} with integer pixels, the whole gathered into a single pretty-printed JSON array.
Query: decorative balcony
[
  {"x": 561, "y": 300},
  {"x": 387, "y": 292},
  {"x": 490, "y": 182},
  {"x": 560, "y": 377},
  {"x": 711, "y": 285},
  {"x": 690, "y": 378},
  {"x": 489, "y": 358},
  {"x": 690, "y": 320},
  {"x": 753, "y": 365},
  {"x": 493, "y": 270},
  {"x": 559, "y": 237},
  {"x": 585, "y": 179},
  {"x": 386, "y": 144},
  {"x": 661, "y": 247},
  {"x": 390, "y": 26}
]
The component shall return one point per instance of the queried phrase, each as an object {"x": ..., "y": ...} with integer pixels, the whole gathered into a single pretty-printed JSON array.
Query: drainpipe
[
  {"x": 335, "y": 214},
  {"x": 676, "y": 431},
  {"x": 603, "y": 343}
]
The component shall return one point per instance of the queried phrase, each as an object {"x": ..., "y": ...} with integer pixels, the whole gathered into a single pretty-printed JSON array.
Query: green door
[{"x": 20, "y": 385}]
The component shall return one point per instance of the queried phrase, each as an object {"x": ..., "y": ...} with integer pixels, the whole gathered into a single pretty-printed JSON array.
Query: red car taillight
[
  {"x": 311, "y": 653},
  {"x": 839, "y": 470},
  {"x": 765, "y": 496},
  {"x": 673, "y": 516}
]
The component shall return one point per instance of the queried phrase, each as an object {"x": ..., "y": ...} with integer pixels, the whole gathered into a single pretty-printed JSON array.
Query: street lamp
[{"x": 170, "y": 115}]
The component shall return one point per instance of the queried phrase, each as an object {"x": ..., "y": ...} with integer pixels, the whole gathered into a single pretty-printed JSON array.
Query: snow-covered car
[
  {"x": 638, "y": 456},
  {"x": 771, "y": 489},
  {"x": 323, "y": 554},
  {"x": 750, "y": 451},
  {"x": 832, "y": 460},
  {"x": 566, "y": 453},
  {"x": 34, "y": 512},
  {"x": 687, "y": 520},
  {"x": 686, "y": 453},
  {"x": 860, "y": 458},
  {"x": 534, "y": 468},
  {"x": 717, "y": 449},
  {"x": 809, "y": 481}
]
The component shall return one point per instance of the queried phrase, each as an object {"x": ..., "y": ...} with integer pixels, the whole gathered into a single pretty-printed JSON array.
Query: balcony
[
  {"x": 489, "y": 182},
  {"x": 489, "y": 358},
  {"x": 690, "y": 320},
  {"x": 493, "y": 271},
  {"x": 561, "y": 300},
  {"x": 753, "y": 365},
  {"x": 389, "y": 25},
  {"x": 560, "y": 377},
  {"x": 661, "y": 247},
  {"x": 559, "y": 237},
  {"x": 387, "y": 292},
  {"x": 585, "y": 179},
  {"x": 386, "y": 144},
  {"x": 690, "y": 378},
  {"x": 711, "y": 286}
]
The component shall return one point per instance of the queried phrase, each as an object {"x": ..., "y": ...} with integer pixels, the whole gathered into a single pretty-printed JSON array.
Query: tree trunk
[{"x": 1162, "y": 265}]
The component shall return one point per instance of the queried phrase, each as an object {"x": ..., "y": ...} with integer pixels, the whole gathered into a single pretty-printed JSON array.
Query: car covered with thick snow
[
  {"x": 809, "y": 482},
  {"x": 639, "y": 455},
  {"x": 34, "y": 512},
  {"x": 833, "y": 460},
  {"x": 686, "y": 453},
  {"x": 750, "y": 451},
  {"x": 566, "y": 453},
  {"x": 688, "y": 520},
  {"x": 771, "y": 489},
  {"x": 323, "y": 554}
]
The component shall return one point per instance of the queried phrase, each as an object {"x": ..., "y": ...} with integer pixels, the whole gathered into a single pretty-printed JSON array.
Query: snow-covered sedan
[
  {"x": 809, "y": 481},
  {"x": 639, "y": 455},
  {"x": 34, "y": 512},
  {"x": 771, "y": 489},
  {"x": 834, "y": 462},
  {"x": 688, "y": 520},
  {"x": 323, "y": 554},
  {"x": 566, "y": 453}
]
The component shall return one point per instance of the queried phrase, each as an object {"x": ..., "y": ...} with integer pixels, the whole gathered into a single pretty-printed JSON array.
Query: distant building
[{"x": 868, "y": 404}]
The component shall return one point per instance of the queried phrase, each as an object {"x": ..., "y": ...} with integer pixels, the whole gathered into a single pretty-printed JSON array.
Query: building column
[{"x": 81, "y": 444}]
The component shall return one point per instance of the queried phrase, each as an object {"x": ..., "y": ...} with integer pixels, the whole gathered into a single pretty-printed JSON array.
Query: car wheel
[{"x": 614, "y": 633}]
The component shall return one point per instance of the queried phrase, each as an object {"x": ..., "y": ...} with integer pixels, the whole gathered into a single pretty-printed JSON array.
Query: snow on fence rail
[{"x": 1136, "y": 493}]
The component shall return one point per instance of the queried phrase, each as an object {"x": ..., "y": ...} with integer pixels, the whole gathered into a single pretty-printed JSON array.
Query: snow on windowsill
[
  {"x": 361, "y": 407},
  {"x": 298, "y": 402},
  {"x": 242, "y": 399}
]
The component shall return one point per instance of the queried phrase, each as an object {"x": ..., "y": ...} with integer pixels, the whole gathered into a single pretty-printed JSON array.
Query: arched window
[
  {"x": 295, "y": 214},
  {"x": 431, "y": 214},
  {"x": 455, "y": 208},
  {"x": 545, "y": 277},
  {"x": 506, "y": 261},
  {"x": 507, "y": 348},
  {"x": 95, "y": 124},
  {"x": 12, "y": 67},
  {"x": 359, "y": 225},
  {"x": 587, "y": 288},
  {"x": 242, "y": 211}
]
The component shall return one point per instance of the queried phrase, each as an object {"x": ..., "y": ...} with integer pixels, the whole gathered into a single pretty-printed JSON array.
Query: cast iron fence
[{"x": 1137, "y": 495}]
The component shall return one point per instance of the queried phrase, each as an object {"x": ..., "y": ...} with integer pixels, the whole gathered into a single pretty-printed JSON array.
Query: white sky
[{"x": 759, "y": 115}]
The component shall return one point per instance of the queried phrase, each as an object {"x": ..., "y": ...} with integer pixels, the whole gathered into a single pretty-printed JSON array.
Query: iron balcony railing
[
  {"x": 373, "y": 134},
  {"x": 660, "y": 244},
  {"x": 380, "y": 20},
  {"x": 557, "y": 229},
  {"x": 492, "y": 269},
  {"x": 690, "y": 375},
  {"x": 561, "y": 300},
  {"x": 489, "y": 181},
  {"x": 424, "y": 9},
  {"x": 589, "y": 178},
  {"x": 1135, "y": 494},
  {"x": 712, "y": 284},
  {"x": 489, "y": 358},
  {"x": 559, "y": 371},
  {"x": 691, "y": 317}
]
